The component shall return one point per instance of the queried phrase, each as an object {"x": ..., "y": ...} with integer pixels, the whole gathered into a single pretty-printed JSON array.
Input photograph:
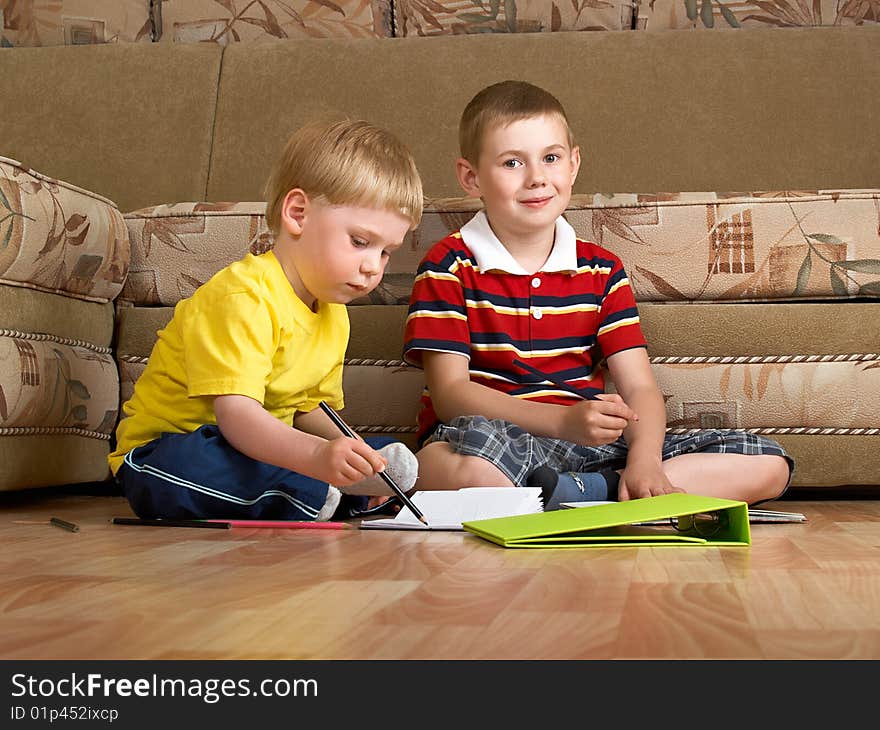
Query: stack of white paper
[{"x": 446, "y": 510}]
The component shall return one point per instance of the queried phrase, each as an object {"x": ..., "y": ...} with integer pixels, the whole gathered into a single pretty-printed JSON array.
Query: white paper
[{"x": 446, "y": 510}]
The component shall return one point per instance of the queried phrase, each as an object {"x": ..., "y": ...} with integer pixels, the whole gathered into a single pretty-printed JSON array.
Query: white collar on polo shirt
[{"x": 491, "y": 255}]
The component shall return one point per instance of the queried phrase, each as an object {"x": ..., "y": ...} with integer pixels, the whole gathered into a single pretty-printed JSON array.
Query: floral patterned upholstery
[{"x": 64, "y": 255}]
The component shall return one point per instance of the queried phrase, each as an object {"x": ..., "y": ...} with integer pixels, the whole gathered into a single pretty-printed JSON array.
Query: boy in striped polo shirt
[{"x": 514, "y": 319}]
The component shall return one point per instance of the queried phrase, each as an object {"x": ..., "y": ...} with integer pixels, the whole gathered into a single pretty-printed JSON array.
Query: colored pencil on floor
[
  {"x": 220, "y": 525},
  {"x": 287, "y": 524}
]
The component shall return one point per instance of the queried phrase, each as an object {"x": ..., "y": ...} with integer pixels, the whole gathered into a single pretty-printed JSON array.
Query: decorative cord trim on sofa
[
  {"x": 764, "y": 431},
  {"x": 384, "y": 429},
  {"x": 59, "y": 431},
  {"x": 765, "y": 359},
  {"x": 377, "y": 363},
  {"x": 43, "y": 337},
  {"x": 133, "y": 359},
  {"x": 714, "y": 359},
  {"x": 789, "y": 431}
]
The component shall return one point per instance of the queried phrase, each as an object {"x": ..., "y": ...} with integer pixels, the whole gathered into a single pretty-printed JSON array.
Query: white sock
[
  {"x": 403, "y": 468},
  {"x": 333, "y": 497}
]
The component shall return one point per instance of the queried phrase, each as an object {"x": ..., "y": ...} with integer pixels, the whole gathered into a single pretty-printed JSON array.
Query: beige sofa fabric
[
  {"x": 49, "y": 459},
  {"x": 743, "y": 329},
  {"x": 59, "y": 238},
  {"x": 29, "y": 310},
  {"x": 176, "y": 248},
  {"x": 709, "y": 14},
  {"x": 227, "y": 22},
  {"x": 73, "y": 22},
  {"x": 64, "y": 252},
  {"x": 109, "y": 118},
  {"x": 799, "y": 368},
  {"x": 704, "y": 246},
  {"x": 415, "y": 17},
  {"x": 777, "y": 245},
  {"x": 55, "y": 384},
  {"x": 703, "y": 111}
]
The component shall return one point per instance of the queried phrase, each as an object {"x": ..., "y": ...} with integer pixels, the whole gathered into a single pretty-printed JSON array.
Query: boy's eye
[
  {"x": 359, "y": 242},
  {"x": 552, "y": 157},
  {"x": 511, "y": 163}
]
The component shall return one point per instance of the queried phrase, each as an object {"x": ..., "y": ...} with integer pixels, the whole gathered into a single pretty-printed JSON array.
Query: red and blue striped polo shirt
[{"x": 472, "y": 298}]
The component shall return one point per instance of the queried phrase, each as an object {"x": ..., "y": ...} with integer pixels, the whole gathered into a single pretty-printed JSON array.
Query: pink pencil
[{"x": 286, "y": 524}]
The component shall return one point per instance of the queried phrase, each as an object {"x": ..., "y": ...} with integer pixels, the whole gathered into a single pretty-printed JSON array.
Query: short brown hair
[
  {"x": 499, "y": 105},
  {"x": 346, "y": 163}
]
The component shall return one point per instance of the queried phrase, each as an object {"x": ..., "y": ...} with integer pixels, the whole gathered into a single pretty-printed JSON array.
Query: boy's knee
[
  {"x": 776, "y": 477},
  {"x": 475, "y": 471},
  {"x": 439, "y": 460}
]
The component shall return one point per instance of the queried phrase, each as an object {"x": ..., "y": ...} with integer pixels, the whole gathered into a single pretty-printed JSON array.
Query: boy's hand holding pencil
[
  {"x": 343, "y": 461},
  {"x": 600, "y": 419},
  {"x": 597, "y": 422}
]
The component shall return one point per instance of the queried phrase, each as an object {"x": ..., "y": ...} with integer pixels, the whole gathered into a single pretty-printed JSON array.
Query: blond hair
[
  {"x": 346, "y": 163},
  {"x": 501, "y": 104}
]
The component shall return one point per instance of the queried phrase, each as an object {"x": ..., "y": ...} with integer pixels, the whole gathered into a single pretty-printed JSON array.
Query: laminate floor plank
[{"x": 800, "y": 591}]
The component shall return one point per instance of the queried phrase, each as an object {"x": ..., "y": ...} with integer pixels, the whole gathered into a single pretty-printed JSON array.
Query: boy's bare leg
[
  {"x": 746, "y": 478},
  {"x": 441, "y": 468}
]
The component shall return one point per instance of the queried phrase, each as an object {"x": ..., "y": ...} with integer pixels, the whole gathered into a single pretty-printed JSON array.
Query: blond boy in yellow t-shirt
[{"x": 224, "y": 423}]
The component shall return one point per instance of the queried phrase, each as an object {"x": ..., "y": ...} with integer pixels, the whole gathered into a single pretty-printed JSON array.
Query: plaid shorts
[{"x": 518, "y": 453}]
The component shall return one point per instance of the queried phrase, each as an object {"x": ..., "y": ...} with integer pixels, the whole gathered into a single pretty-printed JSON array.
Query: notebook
[
  {"x": 683, "y": 520},
  {"x": 448, "y": 509}
]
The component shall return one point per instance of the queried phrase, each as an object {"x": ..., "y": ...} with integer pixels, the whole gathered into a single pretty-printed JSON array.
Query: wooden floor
[{"x": 112, "y": 592}]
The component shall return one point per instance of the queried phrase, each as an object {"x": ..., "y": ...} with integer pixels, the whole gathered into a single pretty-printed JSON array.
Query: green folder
[{"x": 693, "y": 521}]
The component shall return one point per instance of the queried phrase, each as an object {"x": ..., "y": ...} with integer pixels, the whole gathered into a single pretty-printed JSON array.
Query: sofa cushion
[
  {"x": 176, "y": 248},
  {"x": 676, "y": 246},
  {"x": 651, "y": 111},
  {"x": 29, "y": 310},
  {"x": 60, "y": 238},
  {"x": 223, "y": 23},
  {"x": 704, "y": 267},
  {"x": 516, "y": 16},
  {"x": 681, "y": 14},
  {"x": 74, "y": 22},
  {"x": 131, "y": 121},
  {"x": 63, "y": 256},
  {"x": 709, "y": 246}
]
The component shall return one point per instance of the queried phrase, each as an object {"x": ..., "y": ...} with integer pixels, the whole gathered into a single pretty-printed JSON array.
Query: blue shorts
[{"x": 200, "y": 475}]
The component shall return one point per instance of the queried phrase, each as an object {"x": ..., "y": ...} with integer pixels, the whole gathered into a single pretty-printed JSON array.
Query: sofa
[{"x": 737, "y": 174}]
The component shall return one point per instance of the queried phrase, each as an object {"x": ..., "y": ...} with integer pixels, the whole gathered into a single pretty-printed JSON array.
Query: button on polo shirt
[{"x": 526, "y": 287}]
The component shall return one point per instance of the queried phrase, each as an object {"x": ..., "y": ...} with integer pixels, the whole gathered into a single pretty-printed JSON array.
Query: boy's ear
[
  {"x": 575, "y": 162},
  {"x": 467, "y": 177},
  {"x": 293, "y": 211}
]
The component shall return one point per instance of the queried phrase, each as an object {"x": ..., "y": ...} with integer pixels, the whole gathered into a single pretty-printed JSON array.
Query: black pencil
[
  {"x": 401, "y": 495},
  {"x": 558, "y": 383},
  {"x": 64, "y": 524},
  {"x": 170, "y": 523}
]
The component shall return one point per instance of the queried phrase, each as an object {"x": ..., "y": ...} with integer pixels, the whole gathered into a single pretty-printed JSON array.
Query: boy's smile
[{"x": 524, "y": 177}]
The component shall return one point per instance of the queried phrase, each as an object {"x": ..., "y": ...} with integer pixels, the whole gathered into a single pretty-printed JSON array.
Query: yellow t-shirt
[{"x": 245, "y": 332}]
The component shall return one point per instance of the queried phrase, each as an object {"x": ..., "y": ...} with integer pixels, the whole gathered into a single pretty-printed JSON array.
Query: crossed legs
[{"x": 747, "y": 478}]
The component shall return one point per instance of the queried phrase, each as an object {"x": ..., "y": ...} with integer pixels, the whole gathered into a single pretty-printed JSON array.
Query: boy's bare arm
[
  {"x": 316, "y": 422},
  {"x": 255, "y": 432},
  {"x": 632, "y": 375},
  {"x": 454, "y": 394}
]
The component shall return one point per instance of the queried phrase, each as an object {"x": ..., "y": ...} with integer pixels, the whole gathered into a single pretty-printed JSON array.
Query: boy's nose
[
  {"x": 371, "y": 264},
  {"x": 536, "y": 178}
]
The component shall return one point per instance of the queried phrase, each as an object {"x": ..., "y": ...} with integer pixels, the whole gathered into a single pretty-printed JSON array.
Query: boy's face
[
  {"x": 524, "y": 175},
  {"x": 337, "y": 253}
]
